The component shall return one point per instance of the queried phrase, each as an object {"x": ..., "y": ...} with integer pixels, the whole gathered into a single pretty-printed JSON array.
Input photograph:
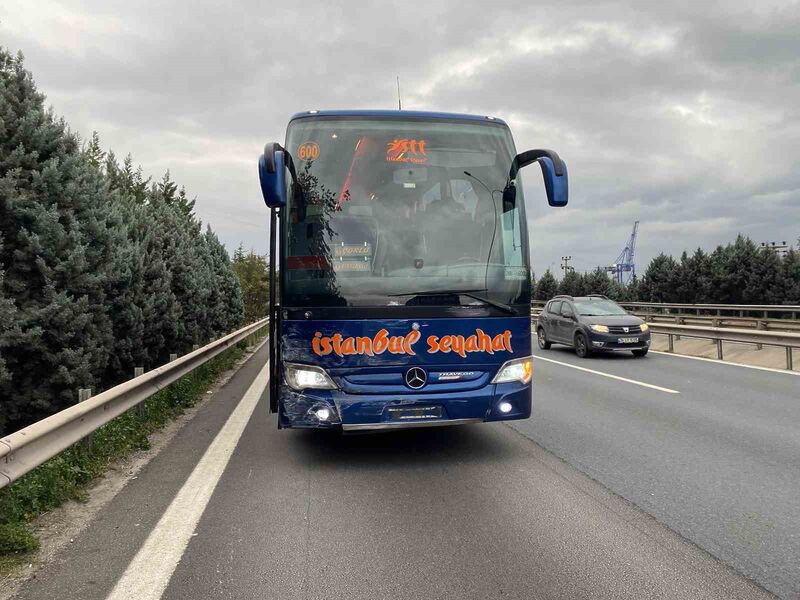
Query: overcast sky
[{"x": 685, "y": 116}]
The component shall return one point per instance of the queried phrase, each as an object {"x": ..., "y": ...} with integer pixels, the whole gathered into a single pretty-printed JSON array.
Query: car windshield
[
  {"x": 393, "y": 207},
  {"x": 596, "y": 307}
]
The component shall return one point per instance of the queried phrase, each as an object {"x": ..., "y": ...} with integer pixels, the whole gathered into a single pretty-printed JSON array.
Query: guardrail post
[
  {"x": 671, "y": 347},
  {"x": 195, "y": 347},
  {"x": 173, "y": 357},
  {"x": 763, "y": 326},
  {"x": 719, "y": 349},
  {"x": 137, "y": 372},
  {"x": 789, "y": 364},
  {"x": 83, "y": 395}
]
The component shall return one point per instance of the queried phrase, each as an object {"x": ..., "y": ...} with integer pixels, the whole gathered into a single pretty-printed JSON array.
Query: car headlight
[
  {"x": 599, "y": 328},
  {"x": 519, "y": 369},
  {"x": 644, "y": 326},
  {"x": 307, "y": 377}
]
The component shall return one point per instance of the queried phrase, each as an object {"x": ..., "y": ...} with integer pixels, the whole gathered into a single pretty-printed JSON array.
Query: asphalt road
[
  {"x": 465, "y": 512},
  {"x": 718, "y": 463}
]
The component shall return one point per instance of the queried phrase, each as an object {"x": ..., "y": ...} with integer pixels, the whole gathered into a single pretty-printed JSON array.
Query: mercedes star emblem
[{"x": 416, "y": 378}]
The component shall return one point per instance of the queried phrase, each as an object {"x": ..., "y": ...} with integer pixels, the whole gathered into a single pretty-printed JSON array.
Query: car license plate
[{"x": 628, "y": 340}]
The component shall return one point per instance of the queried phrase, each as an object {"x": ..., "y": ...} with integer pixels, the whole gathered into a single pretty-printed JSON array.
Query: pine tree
[
  {"x": 57, "y": 240},
  {"x": 226, "y": 301},
  {"x": 732, "y": 266},
  {"x": 790, "y": 273},
  {"x": 573, "y": 284},
  {"x": 100, "y": 271},
  {"x": 94, "y": 152},
  {"x": 658, "y": 284},
  {"x": 253, "y": 273},
  {"x": 633, "y": 292},
  {"x": 597, "y": 282},
  {"x": 9, "y": 331},
  {"x": 765, "y": 281}
]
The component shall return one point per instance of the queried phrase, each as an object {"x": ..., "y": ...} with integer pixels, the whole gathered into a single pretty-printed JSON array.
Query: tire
[
  {"x": 541, "y": 337},
  {"x": 582, "y": 346},
  {"x": 641, "y": 352}
]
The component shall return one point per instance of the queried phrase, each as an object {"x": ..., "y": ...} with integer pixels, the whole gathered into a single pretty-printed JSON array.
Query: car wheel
[
  {"x": 581, "y": 346},
  {"x": 641, "y": 352},
  {"x": 542, "y": 338}
]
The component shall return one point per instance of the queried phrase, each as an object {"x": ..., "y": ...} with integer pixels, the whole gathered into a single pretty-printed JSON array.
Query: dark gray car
[{"x": 591, "y": 324}]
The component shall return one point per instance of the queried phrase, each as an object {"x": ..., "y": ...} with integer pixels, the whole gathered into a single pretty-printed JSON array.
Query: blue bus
[{"x": 404, "y": 289}]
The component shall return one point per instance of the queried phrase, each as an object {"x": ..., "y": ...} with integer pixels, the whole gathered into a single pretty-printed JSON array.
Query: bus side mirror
[
  {"x": 554, "y": 172},
  {"x": 557, "y": 186},
  {"x": 272, "y": 175}
]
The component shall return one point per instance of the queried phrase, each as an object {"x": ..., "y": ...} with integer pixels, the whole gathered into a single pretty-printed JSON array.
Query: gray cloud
[{"x": 682, "y": 115}]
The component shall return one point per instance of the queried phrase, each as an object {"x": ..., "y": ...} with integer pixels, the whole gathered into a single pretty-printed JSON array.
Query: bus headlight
[
  {"x": 519, "y": 369},
  {"x": 599, "y": 328},
  {"x": 307, "y": 377},
  {"x": 644, "y": 326}
]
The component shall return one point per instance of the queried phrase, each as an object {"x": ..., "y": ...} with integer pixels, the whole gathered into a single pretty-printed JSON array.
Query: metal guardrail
[
  {"x": 26, "y": 449},
  {"x": 784, "y": 339},
  {"x": 708, "y": 309},
  {"x": 764, "y": 309},
  {"x": 721, "y": 321}
]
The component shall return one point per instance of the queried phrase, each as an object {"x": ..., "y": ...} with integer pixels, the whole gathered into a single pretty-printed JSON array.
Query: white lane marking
[
  {"x": 148, "y": 574},
  {"x": 617, "y": 377},
  {"x": 727, "y": 362}
]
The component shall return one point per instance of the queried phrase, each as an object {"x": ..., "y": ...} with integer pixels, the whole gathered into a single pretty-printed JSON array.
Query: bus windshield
[{"x": 391, "y": 211}]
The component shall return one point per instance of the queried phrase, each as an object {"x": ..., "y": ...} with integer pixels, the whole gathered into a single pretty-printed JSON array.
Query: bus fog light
[
  {"x": 519, "y": 369},
  {"x": 505, "y": 407},
  {"x": 323, "y": 414}
]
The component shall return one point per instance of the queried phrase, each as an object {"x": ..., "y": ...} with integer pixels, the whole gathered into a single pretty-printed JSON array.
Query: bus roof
[{"x": 413, "y": 114}]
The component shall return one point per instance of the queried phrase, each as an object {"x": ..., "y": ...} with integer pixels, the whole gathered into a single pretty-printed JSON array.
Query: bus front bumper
[{"x": 355, "y": 412}]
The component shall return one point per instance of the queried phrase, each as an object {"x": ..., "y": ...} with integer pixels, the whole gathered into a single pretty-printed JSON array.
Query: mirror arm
[
  {"x": 269, "y": 156},
  {"x": 525, "y": 158}
]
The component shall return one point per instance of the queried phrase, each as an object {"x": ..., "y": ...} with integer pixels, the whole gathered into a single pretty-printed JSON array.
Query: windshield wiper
[{"x": 468, "y": 293}]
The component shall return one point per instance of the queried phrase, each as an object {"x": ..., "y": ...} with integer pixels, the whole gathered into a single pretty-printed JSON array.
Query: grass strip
[{"x": 67, "y": 475}]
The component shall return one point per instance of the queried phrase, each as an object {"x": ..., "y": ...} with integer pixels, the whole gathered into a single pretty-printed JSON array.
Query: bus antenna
[{"x": 399, "y": 104}]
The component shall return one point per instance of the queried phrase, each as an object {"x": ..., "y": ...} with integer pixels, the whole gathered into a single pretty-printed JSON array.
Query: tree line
[
  {"x": 101, "y": 269},
  {"x": 741, "y": 272}
]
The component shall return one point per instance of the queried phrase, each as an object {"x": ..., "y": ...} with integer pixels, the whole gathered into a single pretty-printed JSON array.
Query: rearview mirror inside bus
[{"x": 272, "y": 175}]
